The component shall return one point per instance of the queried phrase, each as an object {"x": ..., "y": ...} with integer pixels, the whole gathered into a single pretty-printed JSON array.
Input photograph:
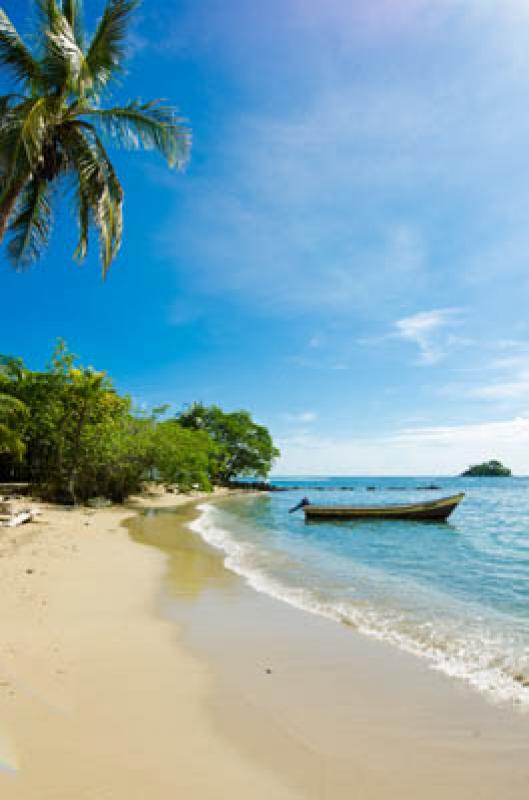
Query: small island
[{"x": 488, "y": 469}]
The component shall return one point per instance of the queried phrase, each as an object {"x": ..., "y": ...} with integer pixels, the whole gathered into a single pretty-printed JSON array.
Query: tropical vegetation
[
  {"x": 488, "y": 469},
  {"x": 68, "y": 431},
  {"x": 242, "y": 448},
  {"x": 53, "y": 127},
  {"x": 12, "y": 414}
]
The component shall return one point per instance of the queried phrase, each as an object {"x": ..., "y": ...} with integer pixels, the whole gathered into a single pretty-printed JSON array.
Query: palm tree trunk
[{"x": 8, "y": 203}]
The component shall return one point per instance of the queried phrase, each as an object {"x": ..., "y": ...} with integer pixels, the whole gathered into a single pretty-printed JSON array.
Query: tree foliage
[
  {"x": 183, "y": 456},
  {"x": 53, "y": 127},
  {"x": 69, "y": 432},
  {"x": 13, "y": 414},
  {"x": 243, "y": 448},
  {"x": 488, "y": 469}
]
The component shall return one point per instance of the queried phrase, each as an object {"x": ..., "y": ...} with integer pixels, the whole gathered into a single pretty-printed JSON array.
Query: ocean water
[{"x": 455, "y": 594}]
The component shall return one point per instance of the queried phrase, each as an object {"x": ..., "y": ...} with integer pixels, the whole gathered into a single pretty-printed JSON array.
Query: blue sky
[{"x": 347, "y": 253}]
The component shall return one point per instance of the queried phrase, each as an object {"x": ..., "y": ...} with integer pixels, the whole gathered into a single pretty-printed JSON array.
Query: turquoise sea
[{"x": 455, "y": 594}]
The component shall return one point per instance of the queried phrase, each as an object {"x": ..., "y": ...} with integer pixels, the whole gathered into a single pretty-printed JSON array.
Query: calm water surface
[{"x": 456, "y": 594}]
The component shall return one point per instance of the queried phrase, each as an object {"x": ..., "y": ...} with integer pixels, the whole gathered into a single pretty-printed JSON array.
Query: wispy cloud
[
  {"x": 487, "y": 434},
  {"x": 302, "y": 417},
  {"x": 443, "y": 450},
  {"x": 511, "y": 377},
  {"x": 426, "y": 329}
]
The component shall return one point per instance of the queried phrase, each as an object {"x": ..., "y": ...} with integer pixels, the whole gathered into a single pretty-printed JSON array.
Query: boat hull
[{"x": 431, "y": 511}]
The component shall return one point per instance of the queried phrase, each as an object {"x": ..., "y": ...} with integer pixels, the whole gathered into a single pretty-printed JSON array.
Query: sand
[
  {"x": 337, "y": 714},
  {"x": 97, "y": 698},
  {"x": 130, "y": 671}
]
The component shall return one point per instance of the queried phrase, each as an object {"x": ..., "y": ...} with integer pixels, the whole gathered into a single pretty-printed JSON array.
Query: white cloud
[
  {"x": 510, "y": 383},
  {"x": 507, "y": 390},
  {"x": 425, "y": 330},
  {"x": 414, "y": 451}
]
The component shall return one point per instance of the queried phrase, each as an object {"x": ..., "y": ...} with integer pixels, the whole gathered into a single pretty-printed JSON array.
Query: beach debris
[
  {"x": 11, "y": 517},
  {"x": 99, "y": 502},
  {"x": 268, "y": 671},
  {"x": 30, "y": 571}
]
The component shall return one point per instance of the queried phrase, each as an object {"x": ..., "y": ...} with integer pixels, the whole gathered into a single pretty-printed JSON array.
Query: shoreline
[
  {"x": 133, "y": 664},
  {"x": 504, "y": 687},
  {"x": 325, "y": 706},
  {"x": 98, "y": 698}
]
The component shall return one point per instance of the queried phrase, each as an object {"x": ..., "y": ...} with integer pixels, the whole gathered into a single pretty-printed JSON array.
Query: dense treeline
[{"x": 68, "y": 431}]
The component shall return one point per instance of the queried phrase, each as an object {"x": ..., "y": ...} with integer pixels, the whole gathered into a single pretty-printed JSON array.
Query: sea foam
[{"x": 481, "y": 660}]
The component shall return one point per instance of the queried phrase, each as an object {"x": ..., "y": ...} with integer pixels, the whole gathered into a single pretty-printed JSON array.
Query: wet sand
[
  {"x": 98, "y": 698},
  {"x": 335, "y": 714}
]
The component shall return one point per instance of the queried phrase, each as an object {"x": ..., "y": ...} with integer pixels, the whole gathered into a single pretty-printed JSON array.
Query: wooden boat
[{"x": 432, "y": 510}]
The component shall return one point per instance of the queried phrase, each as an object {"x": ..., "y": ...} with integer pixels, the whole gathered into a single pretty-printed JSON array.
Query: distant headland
[{"x": 488, "y": 469}]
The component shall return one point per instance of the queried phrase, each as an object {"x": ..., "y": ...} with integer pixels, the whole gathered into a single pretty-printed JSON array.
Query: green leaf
[
  {"x": 31, "y": 227},
  {"x": 150, "y": 126},
  {"x": 73, "y": 12},
  {"x": 107, "y": 49},
  {"x": 99, "y": 192},
  {"x": 64, "y": 65},
  {"x": 14, "y": 54}
]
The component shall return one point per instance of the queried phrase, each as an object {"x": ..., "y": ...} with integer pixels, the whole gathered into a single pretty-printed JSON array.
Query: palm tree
[{"x": 52, "y": 128}]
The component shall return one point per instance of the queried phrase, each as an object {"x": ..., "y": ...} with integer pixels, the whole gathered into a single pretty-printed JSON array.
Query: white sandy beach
[
  {"x": 101, "y": 697},
  {"x": 97, "y": 698}
]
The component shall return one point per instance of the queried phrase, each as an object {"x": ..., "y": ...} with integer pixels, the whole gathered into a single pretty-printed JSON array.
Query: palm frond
[
  {"x": 64, "y": 64},
  {"x": 23, "y": 131},
  {"x": 31, "y": 227},
  {"x": 88, "y": 181},
  {"x": 107, "y": 49},
  {"x": 11, "y": 123},
  {"x": 47, "y": 13},
  {"x": 84, "y": 223},
  {"x": 14, "y": 54},
  {"x": 99, "y": 193},
  {"x": 110, "y": 212},
  {"x": 55, "y": 126},
  {"x": 34, "y": 130},
  {"x": 73, "y": 11},
  {"x": 149, "y": 126}
]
